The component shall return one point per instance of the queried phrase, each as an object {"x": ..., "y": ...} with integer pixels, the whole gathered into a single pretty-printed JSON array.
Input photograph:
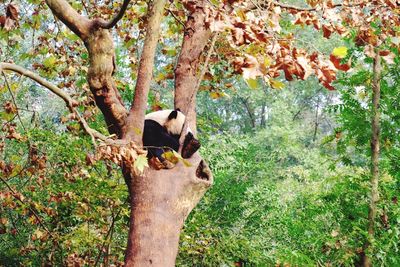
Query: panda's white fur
[{"x": 173, "y": 126}]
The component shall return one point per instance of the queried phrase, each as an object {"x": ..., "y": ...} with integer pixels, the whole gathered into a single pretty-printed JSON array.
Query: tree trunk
[
  {"x": 160, "y": 202},
  {"x": 374, "y": 159}
]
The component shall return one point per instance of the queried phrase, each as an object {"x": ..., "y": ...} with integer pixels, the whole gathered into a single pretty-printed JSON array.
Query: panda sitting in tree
[{"x": 162, "y": 130}]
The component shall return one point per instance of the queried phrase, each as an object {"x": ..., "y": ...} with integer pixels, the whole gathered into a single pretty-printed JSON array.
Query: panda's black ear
[
  {"x": 173, "y": 115},
  {"x": 178, "y": 109}
]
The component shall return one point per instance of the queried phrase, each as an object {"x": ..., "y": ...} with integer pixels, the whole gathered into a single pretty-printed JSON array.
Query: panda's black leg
[{"x": 190, "y": 146}]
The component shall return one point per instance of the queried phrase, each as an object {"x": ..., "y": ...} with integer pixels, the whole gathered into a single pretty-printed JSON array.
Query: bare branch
[
  {"x": 175, "y": 17},
  {"x": 77, "y": 23},
  {"x": 40, "y": 80},
  {"x": 114, "y": 21},
  {"x": 71, "y": 103},
  {"x": 13, "y": 99},
  {"x": 205, "y": 65},
  {"x": 135, "y": 120}
]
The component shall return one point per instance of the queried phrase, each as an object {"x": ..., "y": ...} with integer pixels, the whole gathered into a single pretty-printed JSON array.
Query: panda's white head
[{"x": 172, "y": 120}]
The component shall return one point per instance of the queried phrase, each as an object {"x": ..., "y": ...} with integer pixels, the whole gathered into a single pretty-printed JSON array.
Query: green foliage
[
  {"x": 276, "y": 201},
  {"x": 74, "y": 202}
]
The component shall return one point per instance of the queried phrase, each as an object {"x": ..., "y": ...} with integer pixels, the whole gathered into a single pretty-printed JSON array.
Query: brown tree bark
[
  {"x": 196, "y": 37},
  {"x": 135, "y": 121},
  {"x": 374, "y": 158},
  {"x": 160, "y": 200}
]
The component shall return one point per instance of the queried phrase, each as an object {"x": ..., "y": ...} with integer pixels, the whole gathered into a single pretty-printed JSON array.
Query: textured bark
[
  {"x": 196, "y": 37},
  {"x": 374, "y": 158},
  {"x": 160, "y": 203},
  {"x": 101, "y": 55}
]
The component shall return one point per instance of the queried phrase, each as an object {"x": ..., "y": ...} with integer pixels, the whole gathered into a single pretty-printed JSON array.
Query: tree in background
[{"x": 252, "y": 39}]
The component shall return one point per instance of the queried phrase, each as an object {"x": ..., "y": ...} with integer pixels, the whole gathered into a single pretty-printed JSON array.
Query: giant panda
[{"x": 162, "y": 130}]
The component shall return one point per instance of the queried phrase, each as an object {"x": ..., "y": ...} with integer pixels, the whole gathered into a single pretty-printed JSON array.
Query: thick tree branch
[
  {"x": 135, "y": 120},
  {"x": 79, "y": 24},
  {"x": 197, "y": 35},
  {"x": 114, "y": 21},
  {"x": 71, "y": 103},
  {"x": 192, "y": 104},
  {"x": 100, "y": 46}
]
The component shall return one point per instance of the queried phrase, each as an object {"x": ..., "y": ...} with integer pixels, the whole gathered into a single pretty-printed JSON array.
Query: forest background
[{"x": 292, "y": 160}]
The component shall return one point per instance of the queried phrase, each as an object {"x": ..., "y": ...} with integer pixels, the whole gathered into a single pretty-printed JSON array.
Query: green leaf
[
  {"x": 49, "y": 62},
  {"x": 6, "y": 116},
  {"x": 277, "y": 84},
  {"x": 340, "y": 52},
  {"x": 252, "y": 83},
  {"x": 140, "y": 163}
]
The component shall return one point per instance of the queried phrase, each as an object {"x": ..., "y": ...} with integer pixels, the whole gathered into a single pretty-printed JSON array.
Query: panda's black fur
[
  {"x": 162, "y": 130},
  {"x": 156, "y": 139}
]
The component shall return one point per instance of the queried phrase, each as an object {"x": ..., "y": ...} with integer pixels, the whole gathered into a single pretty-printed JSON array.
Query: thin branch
[
  {"x": 249, "y": 111},
  {"x": 375, "y": 153},
  {"x": 114, "y": 21},
  {"x": 13, "y": 99},
  {"x": 85, "y": 7},
  {"x": 176, "y": 18},
  {"x": 71, "y": 103},
  {"x": 205, "y": 65}
]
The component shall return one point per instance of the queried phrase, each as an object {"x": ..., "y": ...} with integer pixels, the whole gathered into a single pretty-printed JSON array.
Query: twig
[
  {"x": 85, "y": 7},
  {"x": 13, "y": 99},
  {"x": 114, "y": 21},
  {"x": 176, "y": 18}
]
